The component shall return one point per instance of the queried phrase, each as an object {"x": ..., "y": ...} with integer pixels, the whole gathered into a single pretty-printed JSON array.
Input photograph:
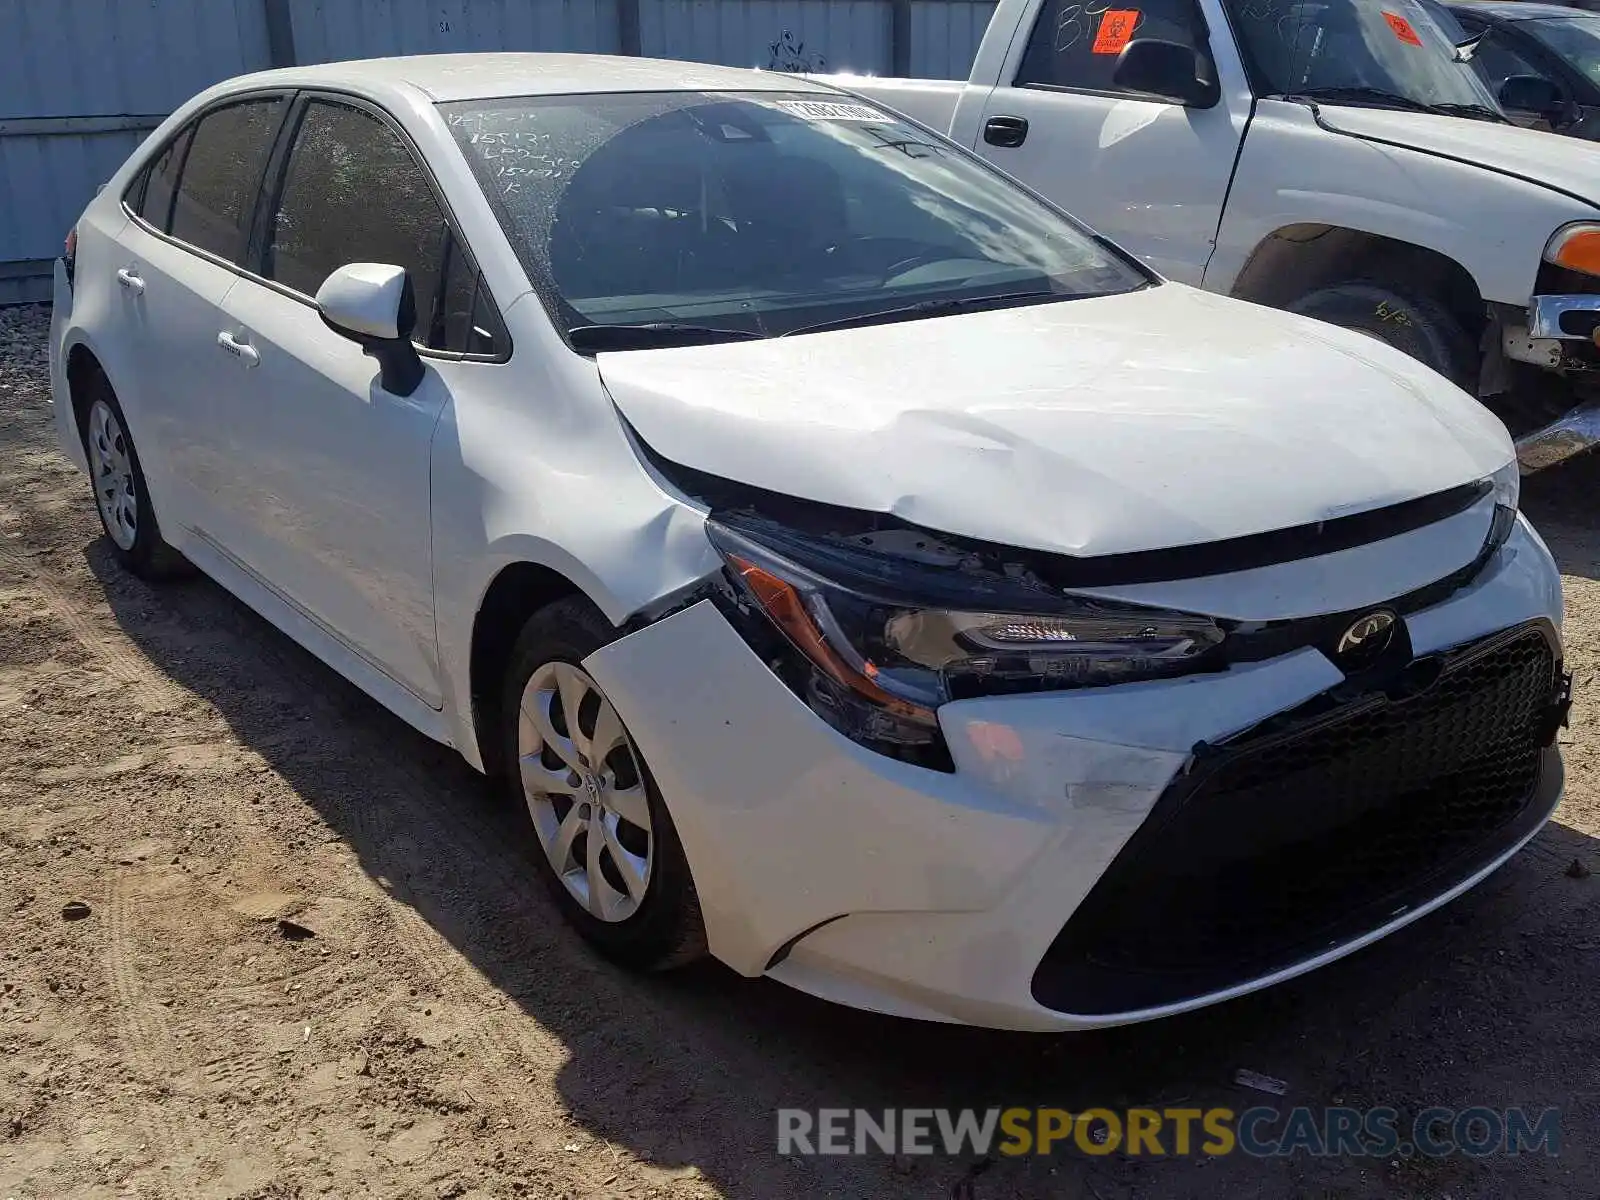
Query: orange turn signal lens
[
  {"x": 1577, "y": 248},
  {"x": 787, "y": 608}
]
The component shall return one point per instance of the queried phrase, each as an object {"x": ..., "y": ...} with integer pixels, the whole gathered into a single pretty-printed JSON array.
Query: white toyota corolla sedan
[{"x": 858, "y": 570}]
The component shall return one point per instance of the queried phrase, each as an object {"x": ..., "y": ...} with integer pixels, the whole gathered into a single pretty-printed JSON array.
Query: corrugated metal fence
[{"x": 83, "y": 81}]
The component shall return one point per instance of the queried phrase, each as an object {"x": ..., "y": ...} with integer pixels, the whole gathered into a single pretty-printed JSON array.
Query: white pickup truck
[{"x": 1339, "y": 158}]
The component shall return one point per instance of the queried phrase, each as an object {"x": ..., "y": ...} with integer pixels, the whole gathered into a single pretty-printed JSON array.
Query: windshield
[
  {"x": 1575, "y": 38},
  {"x": 1402, "y": 47},
  {"x": 763, "y": 213}
]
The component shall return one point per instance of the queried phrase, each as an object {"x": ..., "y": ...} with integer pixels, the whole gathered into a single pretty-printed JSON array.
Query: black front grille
[{"x": 1316, "y": 827}]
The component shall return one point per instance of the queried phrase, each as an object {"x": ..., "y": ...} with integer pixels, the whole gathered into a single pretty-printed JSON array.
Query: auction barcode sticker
[{"x": 829, "y": 110}]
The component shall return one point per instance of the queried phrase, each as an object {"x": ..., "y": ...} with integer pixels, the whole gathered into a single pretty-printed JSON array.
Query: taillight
[{"x": 70, "y": 255}]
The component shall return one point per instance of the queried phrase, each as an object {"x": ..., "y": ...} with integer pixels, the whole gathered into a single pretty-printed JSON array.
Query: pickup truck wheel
[
  {"x": 603, "y": 841},
  {"x": 1418, "y": 325}
]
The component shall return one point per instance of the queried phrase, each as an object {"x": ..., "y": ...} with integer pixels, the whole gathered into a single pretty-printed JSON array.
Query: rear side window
[
  {"x": 354, "y": 192},
  {"x": 222, "y": 176},
  {"x": 1076, "y": 45},
  {"x": 160, "y": 183}
]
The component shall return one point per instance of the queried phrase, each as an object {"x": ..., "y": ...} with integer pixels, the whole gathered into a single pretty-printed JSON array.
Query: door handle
[
  {"x": 1008, "y": 132},
  {"x": 129, "y": 280},
  {"x": 243, "y": 351}
]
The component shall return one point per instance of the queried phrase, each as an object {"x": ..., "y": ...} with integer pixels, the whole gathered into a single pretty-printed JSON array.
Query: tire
[
  {"x": 1417, "y": 325},
  {"x": 647, "y": 918},
  {"x": 122, "y": 497}
]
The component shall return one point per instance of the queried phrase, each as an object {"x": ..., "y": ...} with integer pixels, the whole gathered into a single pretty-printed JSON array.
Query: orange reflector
[
  {"x": 1578, "y": 250},
  {"x": 788, "y": 611}
]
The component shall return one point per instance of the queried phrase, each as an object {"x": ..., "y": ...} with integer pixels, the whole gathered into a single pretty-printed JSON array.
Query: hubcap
[
  {"x": 112, "y": 466},
  {"x": 585, "y": 791}
]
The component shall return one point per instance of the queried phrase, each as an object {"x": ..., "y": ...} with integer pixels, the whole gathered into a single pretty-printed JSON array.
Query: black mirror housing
[
  {"x": 1167, "y": 69},
  {"x": 1532, "y": 94}
]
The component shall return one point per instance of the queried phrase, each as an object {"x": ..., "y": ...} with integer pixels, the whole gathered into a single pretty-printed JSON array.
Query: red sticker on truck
[
  {"x": 1116, "y": 27},
  {"x": 1402, "y": 29}
]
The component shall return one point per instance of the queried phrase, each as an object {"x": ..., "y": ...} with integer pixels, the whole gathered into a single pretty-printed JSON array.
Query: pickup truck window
[
  {"x": 1575, "y": 39},
  {"x": 759, "y": 214},
  {"x": 1398, "y": 47},
  {"x": 1075, "y": 45}
]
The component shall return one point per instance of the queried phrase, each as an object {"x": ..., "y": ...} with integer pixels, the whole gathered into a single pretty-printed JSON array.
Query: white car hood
[
  {"x": 1570, "y": 164},
  {"x": 1148, "y": 420}
]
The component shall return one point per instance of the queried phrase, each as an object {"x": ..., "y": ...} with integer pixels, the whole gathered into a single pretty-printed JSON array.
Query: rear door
[
  {"x": 1150, "y": 174},
  {"x": 328, "y": 500},
  {"x": 190, "y": 210}
]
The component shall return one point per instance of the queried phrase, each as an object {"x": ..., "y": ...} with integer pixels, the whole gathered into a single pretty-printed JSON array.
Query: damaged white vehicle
[{"x": 859, "y": 571}]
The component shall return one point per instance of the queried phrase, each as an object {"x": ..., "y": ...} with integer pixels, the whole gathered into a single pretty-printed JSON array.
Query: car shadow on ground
[{"x": 1490, "y": 1001}]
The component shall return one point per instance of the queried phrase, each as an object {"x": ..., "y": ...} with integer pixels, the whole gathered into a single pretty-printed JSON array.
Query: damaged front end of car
[{"x": 876, "y": 623}]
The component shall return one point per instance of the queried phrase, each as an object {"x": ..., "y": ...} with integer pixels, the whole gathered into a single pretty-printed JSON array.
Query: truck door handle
[
  {"x": 129, "y": 280},
  {"x": 243, "y": 351},
  {"x": 1008, "y": 132}
]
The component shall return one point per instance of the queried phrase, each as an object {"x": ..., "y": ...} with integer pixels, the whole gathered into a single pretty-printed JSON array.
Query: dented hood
[{"x": 1159, "y": 418}]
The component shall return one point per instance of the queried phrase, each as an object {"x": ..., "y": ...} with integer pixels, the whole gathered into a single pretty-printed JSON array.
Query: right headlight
[
  {"x": 887, "y": 638},
  {"x": 1507, "y": 485}
]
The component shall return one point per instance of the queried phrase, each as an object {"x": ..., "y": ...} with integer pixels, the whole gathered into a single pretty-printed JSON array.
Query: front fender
[{"x": 1294, "y": 171}]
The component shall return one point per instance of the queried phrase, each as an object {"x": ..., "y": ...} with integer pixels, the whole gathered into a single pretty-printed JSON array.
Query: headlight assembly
[
  {"x": 1576, "y": 247},
  {"x": 885, "y": 639}
]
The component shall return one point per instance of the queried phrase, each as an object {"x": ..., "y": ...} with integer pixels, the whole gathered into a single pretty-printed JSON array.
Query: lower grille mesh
[{"x": 1311, "y": 831}]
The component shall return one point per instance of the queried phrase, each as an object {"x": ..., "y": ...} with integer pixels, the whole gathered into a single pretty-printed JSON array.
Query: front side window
[
  {"x": 1497, "y": 60},
  {"x": 354, "y": 192},
  {"x": 222, "y": 175},
  {"x": 1076, "y": 45},
  {"x": 1395, "y": 52},
  {"x": 761, "y": 213},
  {"x": 1576, "y": 39}
]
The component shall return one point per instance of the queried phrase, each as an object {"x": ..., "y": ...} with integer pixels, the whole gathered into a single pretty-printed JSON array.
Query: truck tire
[{"x": 1417, "y": 325}]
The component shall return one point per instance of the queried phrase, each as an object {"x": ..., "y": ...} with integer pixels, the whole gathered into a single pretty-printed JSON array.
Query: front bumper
[
  {"x": 1559, "y": 337},
  {"x": 946, "y": 896}
]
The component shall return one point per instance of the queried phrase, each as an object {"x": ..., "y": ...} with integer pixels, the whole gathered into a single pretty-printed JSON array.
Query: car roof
[
  {"x": 1518, "y": 10},
  {"x": 446, "y": 77}
]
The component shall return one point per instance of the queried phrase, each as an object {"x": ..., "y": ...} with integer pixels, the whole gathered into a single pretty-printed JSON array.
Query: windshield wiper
[
  {"x": 928, "y": 308},
  {"x": 599, "y": 338},
  {"x": 1393, "y": 100},
  {"x": 1482, "y": 111},
  {"x": 1376, "y": 95}
]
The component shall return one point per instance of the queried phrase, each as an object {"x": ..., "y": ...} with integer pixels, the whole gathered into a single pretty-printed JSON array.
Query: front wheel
[
  {"x": 1419, "y": 325},
  {"x": 605, "y": 844}
]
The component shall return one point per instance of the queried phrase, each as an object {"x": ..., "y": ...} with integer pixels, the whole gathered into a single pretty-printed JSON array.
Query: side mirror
[
  {"x": 1167, "y": 69},
  {"x": 1532, "y": 94},
  {"x": 373, "y": 305}
]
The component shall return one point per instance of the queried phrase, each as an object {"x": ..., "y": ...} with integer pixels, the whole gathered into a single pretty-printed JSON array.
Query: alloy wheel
[{"x": 585, "y": 791}]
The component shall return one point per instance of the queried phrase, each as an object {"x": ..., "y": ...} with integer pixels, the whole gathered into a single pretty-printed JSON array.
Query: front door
[{"x": 1151, "y": 175}]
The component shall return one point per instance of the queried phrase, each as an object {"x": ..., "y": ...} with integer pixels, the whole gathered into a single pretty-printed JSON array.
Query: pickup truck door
[{"x": 1150, "y": 174}]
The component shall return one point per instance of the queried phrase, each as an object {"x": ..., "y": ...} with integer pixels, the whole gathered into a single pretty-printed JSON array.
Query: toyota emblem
[{"x": 1367, "y": 638}]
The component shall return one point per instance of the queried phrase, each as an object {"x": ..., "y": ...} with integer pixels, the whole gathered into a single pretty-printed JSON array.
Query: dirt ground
[{"x": 175, "y": 764}]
